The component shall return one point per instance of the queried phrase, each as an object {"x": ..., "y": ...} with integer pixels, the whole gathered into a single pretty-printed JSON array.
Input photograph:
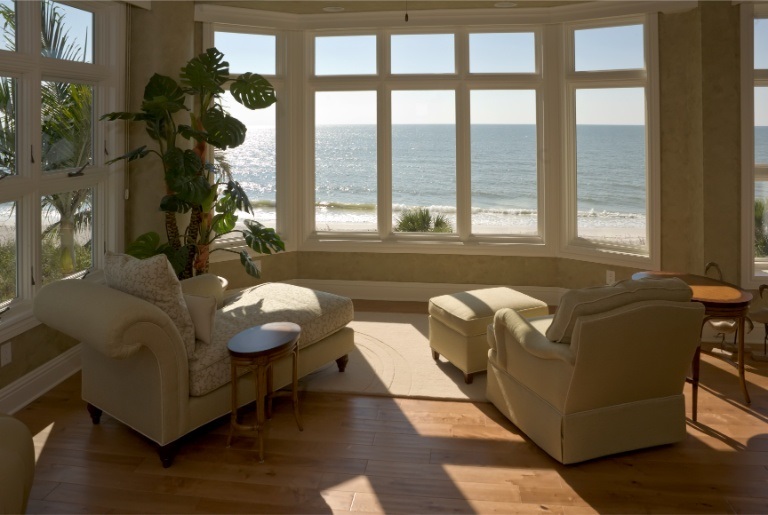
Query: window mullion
[{"x": 384, "y": 138}]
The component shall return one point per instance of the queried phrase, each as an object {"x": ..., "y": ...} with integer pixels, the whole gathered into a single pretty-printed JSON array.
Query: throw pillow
[
  {"x": 153, "y": 280},
  {"x": 588, "y": 301},
  {"x": 202, "y": 310}
]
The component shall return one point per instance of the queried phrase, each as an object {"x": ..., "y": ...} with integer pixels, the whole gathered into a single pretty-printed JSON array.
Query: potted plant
[{"x": 193, "y": 184}]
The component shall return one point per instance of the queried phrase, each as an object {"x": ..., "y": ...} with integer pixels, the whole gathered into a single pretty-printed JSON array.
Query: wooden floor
[{"x": 375, "y": 454}]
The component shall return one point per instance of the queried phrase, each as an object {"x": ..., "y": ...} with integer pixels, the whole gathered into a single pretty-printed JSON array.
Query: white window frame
[
  {"x": 571, "y": 245},
  {"x": 550, "y": 25},
  {"x": 106, "y": 74}
]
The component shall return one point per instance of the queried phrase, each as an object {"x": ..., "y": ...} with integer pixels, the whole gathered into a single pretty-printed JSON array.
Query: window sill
[{"x": 17, "y": 320}]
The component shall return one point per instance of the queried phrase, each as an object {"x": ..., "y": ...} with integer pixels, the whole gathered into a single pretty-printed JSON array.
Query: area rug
[{"x": 393, "y": 358}]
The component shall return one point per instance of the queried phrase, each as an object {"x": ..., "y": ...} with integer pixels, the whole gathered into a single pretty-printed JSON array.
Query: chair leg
[
  {"x": 468, "y": 378},
  {"x": 166, "y": 453},
  {"x": 435, "y": 355}
]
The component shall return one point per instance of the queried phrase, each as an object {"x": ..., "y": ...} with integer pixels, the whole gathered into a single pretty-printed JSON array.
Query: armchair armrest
[{"x": 509, "y": 328}]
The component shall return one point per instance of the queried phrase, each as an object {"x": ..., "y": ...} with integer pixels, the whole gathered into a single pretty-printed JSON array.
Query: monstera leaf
[
  {"x": 223, "y": 131},
  {"x": 262, "y": 239},
  {"x": 253, "y": 91},
  {"x": 163, "y": 95},
  {"x": 206, "y": 73}
]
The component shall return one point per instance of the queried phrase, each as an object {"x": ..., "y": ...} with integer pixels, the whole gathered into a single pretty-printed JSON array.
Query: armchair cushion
[
  {"x": 588, "y": 301},
  {"x": 153, "y": 280}
]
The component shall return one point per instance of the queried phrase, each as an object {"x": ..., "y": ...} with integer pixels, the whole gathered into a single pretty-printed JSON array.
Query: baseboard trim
[
  {"x": 412, "y": 291},
  {"x": 31, "y": 386}
]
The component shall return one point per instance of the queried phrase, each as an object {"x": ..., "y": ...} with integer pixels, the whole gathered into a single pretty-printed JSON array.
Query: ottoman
[{"x": 458, "y": 323}]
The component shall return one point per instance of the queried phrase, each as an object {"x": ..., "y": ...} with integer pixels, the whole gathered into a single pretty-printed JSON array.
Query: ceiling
[{"x": 366, "y": 6}]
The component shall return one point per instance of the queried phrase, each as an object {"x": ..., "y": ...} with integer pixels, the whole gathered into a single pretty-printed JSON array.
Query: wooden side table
[
  {"x": 257, "y": 349},
  {"x": 721, "y": 300}
]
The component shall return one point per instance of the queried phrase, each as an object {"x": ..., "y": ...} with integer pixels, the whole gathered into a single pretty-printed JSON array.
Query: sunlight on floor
[{"x": 41, "y": 439}]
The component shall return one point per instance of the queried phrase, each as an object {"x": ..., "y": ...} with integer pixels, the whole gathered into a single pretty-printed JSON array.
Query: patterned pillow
[{"x": 153, "y": 280}]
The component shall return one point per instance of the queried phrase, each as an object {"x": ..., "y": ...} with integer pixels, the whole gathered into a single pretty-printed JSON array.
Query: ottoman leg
[
  {"x": 342, "y": 362},
  {"x": 435, "y": 355},
  {"x": 468, "y": 378}
]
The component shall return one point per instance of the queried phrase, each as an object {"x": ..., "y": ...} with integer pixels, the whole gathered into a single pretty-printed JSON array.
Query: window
[
  {"x": 504, "y": 162},
  {"x": 254, "y": 164},
  {"x": 403, "y": 174},
  {"x": 505, "y": 52},
  {"x": 345, "y": 55},
  {"x": 345, "y": 161},
  {"x": 59, "y": 201},
  {"x": 8, "y": 269},
  {"x": 609, "y": 170},
  {"x": 424, "y": 160},
  {"x": 255, "y": 53},
  {"x": 423, "y": 53}
]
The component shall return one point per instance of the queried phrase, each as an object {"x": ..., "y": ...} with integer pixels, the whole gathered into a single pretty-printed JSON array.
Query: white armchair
[{"x": 612, "y": 382}]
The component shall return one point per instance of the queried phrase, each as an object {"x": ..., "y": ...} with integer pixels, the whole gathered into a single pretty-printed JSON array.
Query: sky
[{"x": 595, "y": 49}]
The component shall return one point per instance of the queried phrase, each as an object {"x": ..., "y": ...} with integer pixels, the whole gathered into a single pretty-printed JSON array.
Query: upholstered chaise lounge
[{"x": 142, "y": 363}]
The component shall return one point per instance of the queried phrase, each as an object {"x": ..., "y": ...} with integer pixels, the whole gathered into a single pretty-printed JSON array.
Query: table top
[
  {"x": 706, "y": 289},
  {"x": 259, "y": 340}
]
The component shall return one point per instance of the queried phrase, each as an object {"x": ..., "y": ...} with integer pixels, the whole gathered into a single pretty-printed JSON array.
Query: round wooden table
[
  {"x": 721, "y": 300},
  {"x": 256, "y": 349}
]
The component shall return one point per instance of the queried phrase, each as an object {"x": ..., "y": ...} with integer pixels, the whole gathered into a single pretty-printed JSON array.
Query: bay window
[{"x": 480, "y": 138}]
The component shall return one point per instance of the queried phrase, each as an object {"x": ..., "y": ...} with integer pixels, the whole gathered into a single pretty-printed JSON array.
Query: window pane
[
  {"x": 345, "y": 55},
  {"x": 512, "y": 52},
  {"x": 610, "y": 165},
  {"x": 8, "y": 25},
  {"x": 66, "y": 125},
  {"x": 425, "y": 53},
  {"x": 610, "y": 48},
  {"x": 761, "y": 44},
  {"x": 345, "y": 161},
  {"x": 254, "y": 163},
  {"x": 504, "y": 162},
  {"x": 761, "y": 125},
  {"x": 7, "y": 126},
  {"x": 761, "y": 219},
  {"x": 67, "y": 32},
  {"x": 253, "y": 53},
  {"x": 67, "y": 234},
  {"x": 8, "y": 251},
  {"x": 424, "y": 161}
]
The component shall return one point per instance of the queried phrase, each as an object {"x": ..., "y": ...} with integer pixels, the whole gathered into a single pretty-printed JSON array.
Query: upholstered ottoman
[{"x": 458, "y": 324}]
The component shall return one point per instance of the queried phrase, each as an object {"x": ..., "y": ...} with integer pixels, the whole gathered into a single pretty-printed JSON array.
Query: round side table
[{"x": 257, "y": 349}]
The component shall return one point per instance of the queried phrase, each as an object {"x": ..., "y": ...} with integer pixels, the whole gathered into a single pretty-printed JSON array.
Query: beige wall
[{"x": 700, "y": 178}]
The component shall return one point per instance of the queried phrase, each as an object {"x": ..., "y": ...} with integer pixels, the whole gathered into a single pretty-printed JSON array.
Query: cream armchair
[{"x": 612, "y": 382}]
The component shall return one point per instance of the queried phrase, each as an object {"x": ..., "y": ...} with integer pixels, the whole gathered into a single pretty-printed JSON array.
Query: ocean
[{"x": 611, "y": 185}]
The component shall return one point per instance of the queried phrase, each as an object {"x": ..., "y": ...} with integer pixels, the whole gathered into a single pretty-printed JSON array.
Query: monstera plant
[{"x": 193, "y": 183}]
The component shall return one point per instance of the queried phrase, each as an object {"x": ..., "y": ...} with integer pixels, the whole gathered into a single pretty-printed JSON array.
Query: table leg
[
  {"x": 270, "y": 392},
  {"x": 295, "y": 393},
  {"x": 233, "y": 416},
  {"x": 261, "y": 381},
  {"x": 742, "y": 378},
  {"x": 695, "y": 365}
]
